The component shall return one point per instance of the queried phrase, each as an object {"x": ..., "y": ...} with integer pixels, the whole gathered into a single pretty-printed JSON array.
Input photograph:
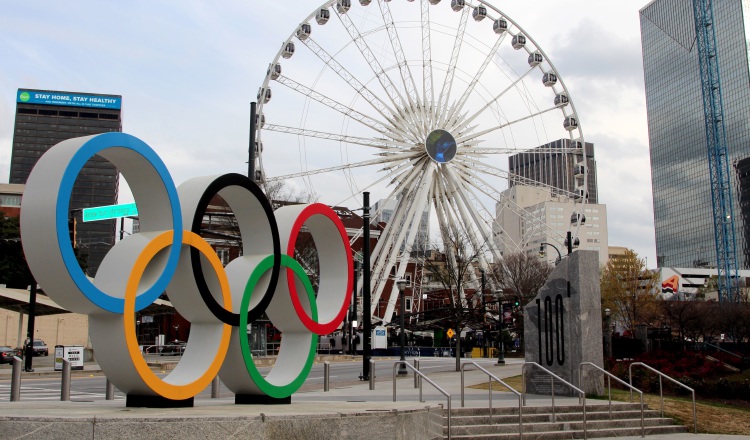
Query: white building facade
[{"x": 530, "y": 216}]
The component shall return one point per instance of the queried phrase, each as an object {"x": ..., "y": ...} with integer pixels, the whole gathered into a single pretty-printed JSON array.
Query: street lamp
[
  {"x": 401, "y": 284},
  {"x": 541, "y": 251}
]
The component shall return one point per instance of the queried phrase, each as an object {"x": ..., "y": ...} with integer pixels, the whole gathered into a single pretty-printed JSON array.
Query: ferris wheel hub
[{"x": 441, "y": 146}]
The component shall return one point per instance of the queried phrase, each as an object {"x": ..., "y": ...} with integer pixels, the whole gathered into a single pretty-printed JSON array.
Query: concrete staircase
[{"x": 474, "y": 423}]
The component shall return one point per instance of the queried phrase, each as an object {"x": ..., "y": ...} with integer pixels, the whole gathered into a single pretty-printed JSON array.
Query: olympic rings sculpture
[{"x": 169, "y": 255}]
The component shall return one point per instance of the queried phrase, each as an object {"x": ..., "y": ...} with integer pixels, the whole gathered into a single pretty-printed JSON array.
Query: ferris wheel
[{"x": 421, "y": 103}]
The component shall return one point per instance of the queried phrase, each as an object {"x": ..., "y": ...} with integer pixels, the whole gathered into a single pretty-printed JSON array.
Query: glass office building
[
  {"x": 683, "y": 216},
  {"x": 45, "y": 118}
]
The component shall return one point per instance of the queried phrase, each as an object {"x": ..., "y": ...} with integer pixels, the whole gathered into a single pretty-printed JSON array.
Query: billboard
[{"x": 68, "y": 99}]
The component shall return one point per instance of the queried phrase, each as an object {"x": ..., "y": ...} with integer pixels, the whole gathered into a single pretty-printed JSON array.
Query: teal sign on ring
[{"x": 109, "y": 212}]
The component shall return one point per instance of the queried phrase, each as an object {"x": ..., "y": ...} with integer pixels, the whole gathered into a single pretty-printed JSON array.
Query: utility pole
[
  {"x": 366, "y": 312},
  {"x": 251, "y": 149}
]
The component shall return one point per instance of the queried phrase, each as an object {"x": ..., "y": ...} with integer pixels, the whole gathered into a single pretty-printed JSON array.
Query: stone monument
[{"x": 563, "y": 327}]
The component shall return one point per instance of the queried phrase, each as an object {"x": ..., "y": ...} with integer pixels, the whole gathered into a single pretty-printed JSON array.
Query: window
[
  {"x": 407, "y": 304},
  {"x": 223, "y": 254}
]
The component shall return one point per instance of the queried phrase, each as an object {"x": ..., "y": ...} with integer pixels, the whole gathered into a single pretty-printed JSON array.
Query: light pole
[
  {"x": 541, "y": 251},
  {"x": 353, "y": 314},
  {"x": 401, "y": 284},
  {"x": 484, "y": 318}
]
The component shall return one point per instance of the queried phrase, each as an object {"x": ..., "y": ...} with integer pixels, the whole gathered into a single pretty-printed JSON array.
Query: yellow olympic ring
[{"x": 183, "y": 387}]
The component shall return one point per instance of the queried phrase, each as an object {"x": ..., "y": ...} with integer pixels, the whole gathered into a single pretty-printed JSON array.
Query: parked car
[
  {"x": 39, "y": 347},
  {"x": 7, "y": 353},
  {"x": 173, "y": 348}
]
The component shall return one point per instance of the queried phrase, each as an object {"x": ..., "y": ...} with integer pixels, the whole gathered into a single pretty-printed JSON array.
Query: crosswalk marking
[{"x": 47, "y": 394}]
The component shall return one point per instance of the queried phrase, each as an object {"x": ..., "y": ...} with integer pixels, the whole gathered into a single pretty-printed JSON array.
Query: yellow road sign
[{"x": 450, "y": 333}]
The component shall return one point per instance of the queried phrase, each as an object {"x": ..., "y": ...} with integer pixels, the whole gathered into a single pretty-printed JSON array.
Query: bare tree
[
  {"x": 279, "y": 193},
  {"x": 521, "y": 276},
  {"x": 453, "y": 269}
]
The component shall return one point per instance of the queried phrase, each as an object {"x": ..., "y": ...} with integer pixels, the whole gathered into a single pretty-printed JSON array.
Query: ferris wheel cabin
[
  {"x": 535, "y": 59},
  {"x": 479, "y": 13},
  {"x": 500, "y": 25},
  {"x": 303, "y": 31},
  {"x": 519, "y": 41},
  {"x": 561, "y": 100},
  {"x": 570, "y": 123},
  {"x": 288, "y": 50},
  {"x": 549, "y": 79},
  {"x": 322, "y": 16},
  {"x": 342, "y": 6},
  {"x": 457, "y": 5}
]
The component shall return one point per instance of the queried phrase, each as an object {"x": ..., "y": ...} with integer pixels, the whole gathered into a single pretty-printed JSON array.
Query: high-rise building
[
  {"x": 545, "y": 218},
  {"x": 551, "y": 165},
  {"x": 45, "y": 118},
  {"x": 681, "y": 182}
]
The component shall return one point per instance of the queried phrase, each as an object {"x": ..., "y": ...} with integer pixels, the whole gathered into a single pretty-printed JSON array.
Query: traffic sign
[{"x": 450, "y": 333}]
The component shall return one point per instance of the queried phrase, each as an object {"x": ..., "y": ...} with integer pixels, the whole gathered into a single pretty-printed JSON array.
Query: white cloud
[{"x": 187, "y": 71}]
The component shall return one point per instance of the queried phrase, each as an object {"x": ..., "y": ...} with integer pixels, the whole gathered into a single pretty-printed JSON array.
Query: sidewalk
[{"x": 343, "y": 398}]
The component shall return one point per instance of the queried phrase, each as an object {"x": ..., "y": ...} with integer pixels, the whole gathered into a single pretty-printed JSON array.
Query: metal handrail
[
  {"x": 492, "y": 376},
  {"x": 661, "y": 394},
  {"x": 609, "y": 387},
  {"x": 724, "y": 350},
  {"x": 553, "y": 376},
  {"x": 421, "y": 375}
]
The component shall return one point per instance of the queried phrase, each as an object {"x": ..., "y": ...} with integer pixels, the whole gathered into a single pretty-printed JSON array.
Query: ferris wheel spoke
[
  {"x": 470, "y": 175},
  {"x": 466, "y": 121},
  {"x": 450, "y": 235},
  {"x": 428, "y": 93},
  {"x": 382, "y": 254},
  {"x": 471, "y": 218},
  {"x": 408, "y": 81},
  {"x": 337, "y": 106},
  {"x": 388, "y": 112},
  {"x": 475, "y": 135},
  {"x": 455, "y": 110},
  {"x": 382, "y": 144},
  {"x": 482, "y": 151},
  {"x": 448, "y": 84},
  {"x": 385, "y": 81},
  {"x": 487, "y": 233},
  {"x": 407, "y": 225},
  {"x": 366, "y": 163},
  {"x": 482, "y": 166}
]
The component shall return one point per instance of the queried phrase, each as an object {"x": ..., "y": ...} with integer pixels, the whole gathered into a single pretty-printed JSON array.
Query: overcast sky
[{"x": 187, "y": 71}]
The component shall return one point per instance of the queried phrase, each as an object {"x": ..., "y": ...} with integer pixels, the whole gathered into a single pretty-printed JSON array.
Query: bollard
[
  {"x": 501, "y": 355},
  {"x": 416, "y": 376},
  {"x": 110, "y": 391},
  {"x": 65, "y": 387},
  {"x": 372, "y": 374},
  {"x": 215, "y": 385},
  {"x": 15, "y": 381},
  {"x": 326, "y": 375}
]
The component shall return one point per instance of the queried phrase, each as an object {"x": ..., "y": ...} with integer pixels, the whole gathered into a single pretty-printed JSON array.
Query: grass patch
[{"x": 722, "y": 417}]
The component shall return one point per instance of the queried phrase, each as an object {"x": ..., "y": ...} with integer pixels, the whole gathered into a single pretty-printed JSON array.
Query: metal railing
[
  {"x": 492, "y": 376},
  {"x": 611, "y": 376},
  {"x": 717, "y": 348},
  {"x": 661, "y": 393},
  {"x": 422, "y": 376},
  {"x": 553, "y": 376}
]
